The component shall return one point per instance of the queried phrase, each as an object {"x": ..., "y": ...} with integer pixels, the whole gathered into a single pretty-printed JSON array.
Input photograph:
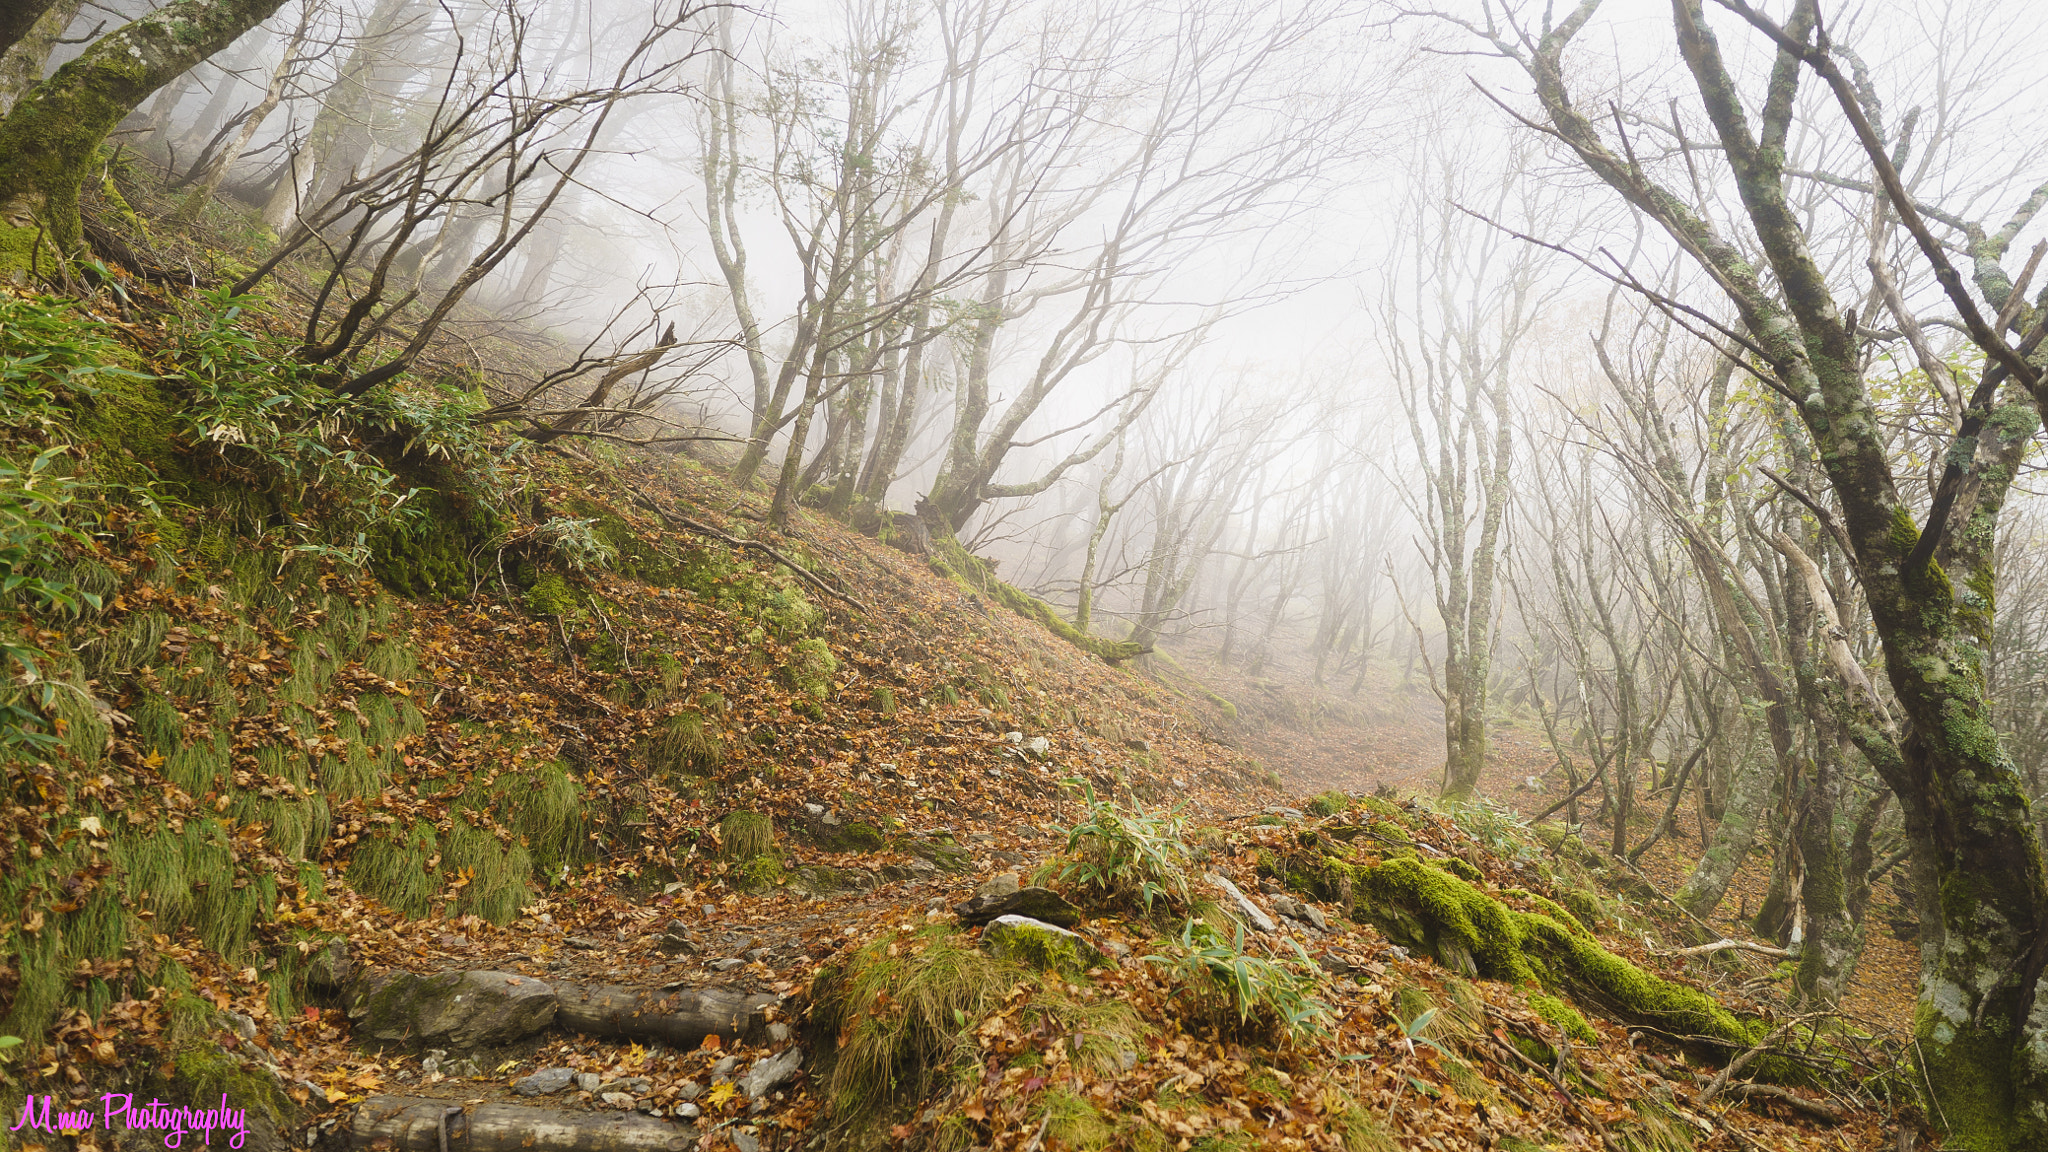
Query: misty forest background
[{"x": 1674, "y": 399}]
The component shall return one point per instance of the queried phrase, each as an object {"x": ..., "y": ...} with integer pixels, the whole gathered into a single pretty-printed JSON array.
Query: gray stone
[
  {"x": 1002, "y": 884},
  {"x": 689, "y": 1090},
  {"x": 772, "y": 1072},
  {"x": 675, "y": 940},
  {"x": 459, "y": 1009},
  {"x": 745, "y": 1141},
  {"x": 583, "y": 942},
  {"x": 728, "y": 964},
  {"x": 618, "y": 1099},
  {"x": 723, "y": 1069},
  {"x": 328, "y": 969},
  {"x": 757, "y": 953},
  {"x": 1034, "y": 902},
  {"x": 1038, "y": 746},
  {"x": 588, "y": 1081},
  {"x": 688, "y": 1111},
  {"x": 545, "y": 1082},
  {"x": 243, "y": 1025},
  {"x": 638, "y": 1085},
  {"x": 1040, "y": 946},
  {"x": 1252, "y": 913}
]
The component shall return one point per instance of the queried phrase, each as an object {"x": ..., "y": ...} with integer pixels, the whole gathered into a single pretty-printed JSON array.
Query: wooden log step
[
  {"x": 682, "y": 1018},
  {"x": 412, "y": 1124}
]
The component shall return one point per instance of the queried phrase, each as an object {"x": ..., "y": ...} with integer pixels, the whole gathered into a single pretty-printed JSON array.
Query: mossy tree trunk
[
  {"x": 1981, "y": 1029},
  {"x": 49, "y": 139}
]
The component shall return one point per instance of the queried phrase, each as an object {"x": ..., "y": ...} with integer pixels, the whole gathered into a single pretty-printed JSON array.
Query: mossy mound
[
  {"x": 950, "y": 559},
  {"x": 809, "y": 668},
  {"x": 1472, "y": 933}
]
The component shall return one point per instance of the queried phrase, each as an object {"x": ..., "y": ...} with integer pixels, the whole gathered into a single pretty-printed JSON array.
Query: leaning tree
[
  {"x": 49, "y": 138},
  {"x": 1922, "y": 552}
]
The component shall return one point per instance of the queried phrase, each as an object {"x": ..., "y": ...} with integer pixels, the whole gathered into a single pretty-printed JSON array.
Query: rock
[
  {"x": 1253, "y": 914},
  {"x": 243, "y": 1025},
  {"x": 588, "y": 1081},
  {"x": 637, "y": 1085},
  {"x": 1112, "y": 948},
  {"x": 328, "y": 969},
  {"x": 618, "y": 1099},
  {"x": 723, "y": 1069},
  {"x": 817, "y": 881},
  {"x": 689, "y": 1090},
  {"x": 1038, "y": 746},
  {"x": 675, "y": 940},
  {"x": 745, "y": 1141},
  {"x": 446, "y": 940},
  {"x": 1000, "y": 885},
  {"x": 942, "y": 854},
  {"x": 459, "y": 1009},
  {"x": 981, "y": 837},
  {"x": 1137, "y": 745},
  {"x": 727, "y": 964},
  {"x": 688, "y": 1111},
  {"x": 545, "y": 1082},
  {"x": 757, "y": 953},
  {"x": 1036, "y": 944},
  {"x": 1034, "y": 902},
  {"x": 780, "y": 1033},
  {"x": 583, "y": 942},
  {"x": 772, "y": 1072},
  {"x": 1300, "y": 910}
]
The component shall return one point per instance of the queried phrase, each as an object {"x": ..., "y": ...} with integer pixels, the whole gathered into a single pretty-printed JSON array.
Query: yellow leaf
[{"x": 721, "y": 1092}]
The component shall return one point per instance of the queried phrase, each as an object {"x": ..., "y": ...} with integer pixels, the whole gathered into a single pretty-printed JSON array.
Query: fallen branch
[
  {"x": 1719, "y": 946},
  {"x": 1720, "y": 1082},
  {"x": 1750, "y": 1090},
  {"x": 701, "y": 529}
]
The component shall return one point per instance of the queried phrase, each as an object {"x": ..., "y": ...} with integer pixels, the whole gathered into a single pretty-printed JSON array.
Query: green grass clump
[
  {"x": 685, "y": 745},
  {"x": 745, "y": 835}
]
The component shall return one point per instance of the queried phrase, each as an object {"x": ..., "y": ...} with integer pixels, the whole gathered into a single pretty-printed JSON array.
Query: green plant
[
  {"x": 1219, "y": 980},
  {"x": 1497, "y": 826},
  {"x": 575, "y": 543},
  {"x": 31, "y": 529},
  {"x": 273, "y": 427},
  {"x": 1127, "y": 853}
]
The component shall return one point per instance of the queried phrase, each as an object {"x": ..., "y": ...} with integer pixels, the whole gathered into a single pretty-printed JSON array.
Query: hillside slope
[{"x": 711, "y": 805}]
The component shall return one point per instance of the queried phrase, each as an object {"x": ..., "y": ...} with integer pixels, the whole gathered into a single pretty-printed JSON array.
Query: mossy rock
[
  {"x": 758, "y": 876},
  {"x": 857, "y": 836},
  {"x": 1462, "y": 869},
  {"x": 1040, "y": 946},
  {"x": 819, "y": 881},
  {"x": 461, "y": 1010}
]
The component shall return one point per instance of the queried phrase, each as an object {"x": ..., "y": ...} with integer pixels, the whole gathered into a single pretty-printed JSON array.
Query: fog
[{"x": 1561, "y": 365}]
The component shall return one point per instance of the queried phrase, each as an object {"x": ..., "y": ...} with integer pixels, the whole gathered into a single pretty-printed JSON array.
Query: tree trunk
[
  {"x": 21, "y": 66},
  {"x": 49, "y": 139}
]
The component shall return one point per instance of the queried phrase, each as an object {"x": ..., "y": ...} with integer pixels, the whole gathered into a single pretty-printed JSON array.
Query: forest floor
[{"x": 778, "y": 763}]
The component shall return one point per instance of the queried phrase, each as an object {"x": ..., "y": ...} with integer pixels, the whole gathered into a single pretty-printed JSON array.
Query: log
[
  {"x": 411, "y": 1124},
  {"x": 682, "y": 1018}
]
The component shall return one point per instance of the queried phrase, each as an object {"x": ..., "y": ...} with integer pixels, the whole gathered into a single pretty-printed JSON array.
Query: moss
[
  {"x": 1069, "y": 1121},
  {"x": 1041, "y": 947},
  {"x": 1462, "y": 869},
  {"x": 1328, "y": 804},
  {"x": 1361, "y": 1131},
  {"x": 1469, "y": 931},
  {"x": 810, "y": 667},
  {"x": 435, "y": 556},
  {"x": 974, "y": 573},
  {"x": 855, "y": 837},
  {"x": 1563, "y": 1017},
  {"x": 884, "y": 701},
  {"x": 759, "y": 875},
  {"x": 551, "y": 596}
]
